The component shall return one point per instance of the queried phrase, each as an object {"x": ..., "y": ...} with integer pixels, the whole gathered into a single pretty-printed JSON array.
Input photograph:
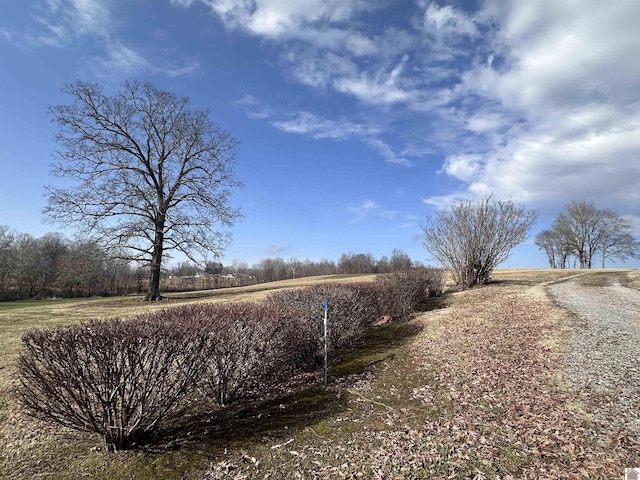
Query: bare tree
[
  {"x": 616, "y": 240},
  {"x": 472, "y": 238},
  {"x": 351, "y": 263},
  {"x": 400, "y": 261},
  {"x": 7, "y": 255},
  {"x": 82, "y": 267},
  {"x": 585, "y": 232},
  {"x": 51, "y": 250},
  {"x": 555, "y": 247},
  {"x": 578, "y": 226},
  {"x": 150, "y": 174},
  {"x": 27, "y": 266}
]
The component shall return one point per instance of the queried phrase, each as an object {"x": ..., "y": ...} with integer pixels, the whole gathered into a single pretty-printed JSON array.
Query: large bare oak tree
[{"x": 147, "y": 173}]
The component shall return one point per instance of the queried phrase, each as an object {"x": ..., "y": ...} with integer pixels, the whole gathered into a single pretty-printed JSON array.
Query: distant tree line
[
  {"x": 275, "y": 269},
  {"x": 582, "y": 234},
  {"x": 52, "y": 265}
]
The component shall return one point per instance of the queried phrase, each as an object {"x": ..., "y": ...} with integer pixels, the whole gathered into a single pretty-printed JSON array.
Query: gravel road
[{"x": 602, "y": 358}]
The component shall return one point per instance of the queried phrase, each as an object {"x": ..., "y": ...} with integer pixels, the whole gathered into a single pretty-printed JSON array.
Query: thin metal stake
[{"x": 326, "y": 311}]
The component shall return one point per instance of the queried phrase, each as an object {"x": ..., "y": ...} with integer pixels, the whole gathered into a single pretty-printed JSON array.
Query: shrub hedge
[
  {"x": 410, "y": 289},
  {"x": 118, "y": 378},
  {"x": 246, "y": 351},
  {"x": 122, "y": 378}
]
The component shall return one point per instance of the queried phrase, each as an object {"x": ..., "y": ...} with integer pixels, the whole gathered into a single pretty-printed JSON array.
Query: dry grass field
[{"x": 470, "y": 389}]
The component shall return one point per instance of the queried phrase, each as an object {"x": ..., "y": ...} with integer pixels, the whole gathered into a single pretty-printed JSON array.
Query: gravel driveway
[{"x": 602, "y": 358}]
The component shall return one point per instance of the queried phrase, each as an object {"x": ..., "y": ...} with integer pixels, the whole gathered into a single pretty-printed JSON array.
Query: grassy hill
[{"x": 470, "y": 388}]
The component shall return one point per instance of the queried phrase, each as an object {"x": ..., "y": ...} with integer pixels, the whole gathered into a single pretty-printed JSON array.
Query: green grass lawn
[{"x": 5, "y": 306}]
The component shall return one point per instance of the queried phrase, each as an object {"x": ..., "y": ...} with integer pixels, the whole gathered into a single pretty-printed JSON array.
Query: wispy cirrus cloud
[
  {"x": 383, "y": 87},
  {"x": 306, "y": 123},
  {"x": 120, "y": 58},
  {"x": 57, "y": 23},
  {"x": 284, "y": 19},
  {"x": 323, "y": 48},
  {"x": 254, "y": 107},
  {"x": 180, "y": 69},
  {"x": 61, "y": 23},
  {"x": 529, "y": 100},
  {"x": 369, "y": 208}
]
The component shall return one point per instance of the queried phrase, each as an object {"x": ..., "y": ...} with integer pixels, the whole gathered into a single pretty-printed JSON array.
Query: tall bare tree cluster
[
  {"x": 148, "y": 173},
  {"x": 52, "y": 265},
  {"x": 472, "y": 237},
  {"x": 585, "y": 233}
]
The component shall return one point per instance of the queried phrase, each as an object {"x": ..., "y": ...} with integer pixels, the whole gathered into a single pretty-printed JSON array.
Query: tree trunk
[{"x": 153, "y": 293}]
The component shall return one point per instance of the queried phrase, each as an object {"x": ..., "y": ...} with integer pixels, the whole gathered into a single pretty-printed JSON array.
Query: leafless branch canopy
[
  {"x": 585, "y": 232},
  {"x": 147, "y": 172},
  {"x": 472, "y": 238},
  {"x": 139, "y": 158}
]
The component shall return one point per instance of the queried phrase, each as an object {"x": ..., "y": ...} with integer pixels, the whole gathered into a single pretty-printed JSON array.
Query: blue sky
[{"x": 358, "y": 118}]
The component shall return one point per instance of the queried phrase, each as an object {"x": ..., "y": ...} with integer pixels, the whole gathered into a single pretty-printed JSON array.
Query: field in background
[{"x": 28, "y": 449}]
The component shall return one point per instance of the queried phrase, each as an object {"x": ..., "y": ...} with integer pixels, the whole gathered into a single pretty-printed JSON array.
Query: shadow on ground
[{"x": 271, "y": 420}]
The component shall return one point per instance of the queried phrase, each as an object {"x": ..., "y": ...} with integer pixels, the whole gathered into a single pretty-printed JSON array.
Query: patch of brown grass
[
  {"x": 479, "y": 393},
  {"x": 531, "y": 277},
  {"x": 632, "y": 279}
]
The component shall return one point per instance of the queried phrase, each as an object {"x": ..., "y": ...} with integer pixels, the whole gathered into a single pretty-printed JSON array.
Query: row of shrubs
[{"x": 121, "y": 378}]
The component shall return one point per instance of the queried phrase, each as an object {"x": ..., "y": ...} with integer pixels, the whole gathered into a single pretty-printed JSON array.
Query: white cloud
[
  {"x": 441, "y": 202},
  {"x": 121, "y": 59},
  {"x": 465, "y": 167},
  {"x": 568, "y": 76},
  {"x": 308, "y": 124},
  {"x": 483, "y": 122},
  {"x": 320, "y": 71},
  {"x": 381, "y": 88},
  {"x": 286, "y": 18},
  {"x": 74, "y": 18},
  {"x": 179, "y": 70},
  {"x": 253, "y": 107},
  {"x": 447, "y": 20},
  {"x": 385, "y": 150},
  {"x": 7, "y": 35},
  {"x": 369, "y": 208}
]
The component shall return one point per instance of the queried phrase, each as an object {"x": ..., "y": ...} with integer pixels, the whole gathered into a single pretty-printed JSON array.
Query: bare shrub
[
  {"x": 245, "y": 354},
  {"x": 117, "y": 378},
  {"x": 408, "y": 289},
  {"x": 373, "y": 299},
  {"x": 472, "y": 238},
  {"x": 350, "y": 312}
]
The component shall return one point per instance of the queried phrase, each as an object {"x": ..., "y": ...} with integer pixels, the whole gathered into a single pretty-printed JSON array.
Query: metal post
[{"x": 326, "y": 311}]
